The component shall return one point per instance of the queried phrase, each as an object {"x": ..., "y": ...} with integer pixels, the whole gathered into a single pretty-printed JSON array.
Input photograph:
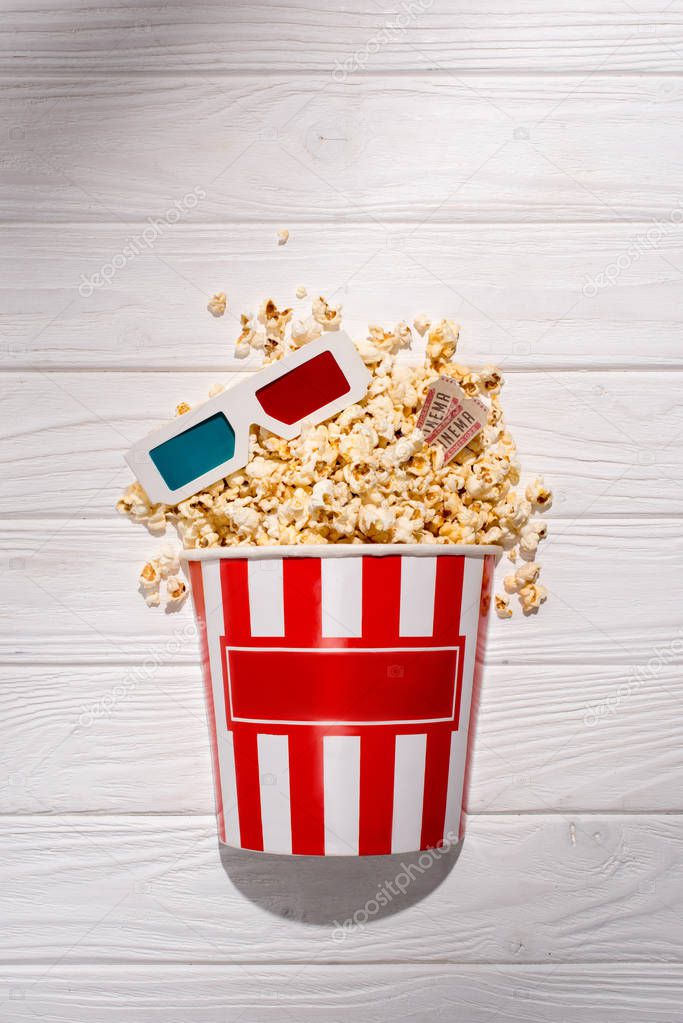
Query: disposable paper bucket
[{"x": 340, "y": 684}]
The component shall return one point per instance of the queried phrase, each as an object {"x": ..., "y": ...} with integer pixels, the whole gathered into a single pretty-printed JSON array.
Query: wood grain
[
  {"x": 144, "y": 889},
  {"x": 109, "y": 740},
  {"x": 522, "y": 293},
  {"x": 286, "y": 148},
  {"x": 70, "y": 596},
  {"x": 280, "y": 35},
  {"x": 66, "y": 434},
  {"x": 405, "y": 993},
  {"x": 500, "y": 167}
]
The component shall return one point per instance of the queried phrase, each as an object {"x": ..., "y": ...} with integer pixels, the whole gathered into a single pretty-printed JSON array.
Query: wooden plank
[
  {"x": 526, "y": 889},
  {"x": 279, "y": 35},
  {"x": 406, "y": 993},
  {"x": 68, "y": 432},
  {"x": 288, "y": 148},
  {"x": 525, "y": 295},
  {"x": 135, "y": 740},
  {"x": 70, "y": 596}
]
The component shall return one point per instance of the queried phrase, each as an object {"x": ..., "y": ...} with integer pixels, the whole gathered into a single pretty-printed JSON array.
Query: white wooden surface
[{"x": 486, "y": 163}]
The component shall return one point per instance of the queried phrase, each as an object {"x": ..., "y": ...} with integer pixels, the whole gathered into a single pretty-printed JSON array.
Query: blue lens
[{"x": 200, "y": 449}]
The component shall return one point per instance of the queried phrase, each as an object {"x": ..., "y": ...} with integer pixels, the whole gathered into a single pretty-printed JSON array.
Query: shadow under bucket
[{"x": 341, "y": 692}]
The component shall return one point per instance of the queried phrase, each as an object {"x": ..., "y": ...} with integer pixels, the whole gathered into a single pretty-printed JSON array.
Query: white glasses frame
[{"x": 241, "y": 408}]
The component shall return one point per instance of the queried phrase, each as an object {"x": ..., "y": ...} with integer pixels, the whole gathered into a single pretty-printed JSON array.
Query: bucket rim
[{"x": 342, "y": 550}]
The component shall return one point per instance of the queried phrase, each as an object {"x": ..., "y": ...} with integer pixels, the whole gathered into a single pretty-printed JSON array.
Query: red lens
[{"x": 303, "y": 390}]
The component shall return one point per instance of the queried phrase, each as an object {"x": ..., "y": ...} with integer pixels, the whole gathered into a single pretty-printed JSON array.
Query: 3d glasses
[{"x": 204, "y": 445}]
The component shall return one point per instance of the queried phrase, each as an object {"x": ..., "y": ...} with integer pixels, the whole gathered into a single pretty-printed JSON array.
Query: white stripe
[
  {"x": 342, "y": 605},
  {"x": 229, "y": 776},
  {"x": 273, "y": 764},
  {"x": 409, "y": 778},
  {"x": 213, "y": 605},
  {"x": 266, "y": 598},
  {"x": 418, "y": 582},
  {"x": 341, "y": 773},
  {"x": 469, "y": 625}
]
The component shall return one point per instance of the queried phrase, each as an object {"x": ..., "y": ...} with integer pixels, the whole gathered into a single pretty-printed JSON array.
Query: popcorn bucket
[{"x": 340, "y": 684}]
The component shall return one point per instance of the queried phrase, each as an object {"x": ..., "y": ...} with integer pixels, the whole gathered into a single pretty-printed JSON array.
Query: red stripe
[
  {"x": 248, "y": 791},
  {"x": 448, "y": 598},
  {"x": 381, "y": 600},
  {"x": 435, "y": 788},
  {"x": 306, "y": 791},
  {"x": 197, "y": 582},
  {"x": 302, "y": 599},
  {"x": 235, "y": 589},
  {"x": 376, "y": 793}
]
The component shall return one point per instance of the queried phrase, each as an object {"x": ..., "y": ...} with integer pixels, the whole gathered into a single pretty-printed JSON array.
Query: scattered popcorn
[
  {"x": 168, "y": 561},
  {"x": 421, "y": 324},
  {"x": 510, "y": 583},
  {"x": 152, "y": 598},
  {"x": 150, "y": 575},
  {"x": 304, "y": 331},
  {"x": 283, "y": 237},
  {"x": 527, "y": 574},
  {"x": 182, "y": 408},
  {"x": 366, "y": 475},
  {"x": 329, "y": 318},
  {"x": 216, "y": 389},
  {"x": 491, "y": 380},
  {"x": 532, "y": 596},
  {"x": 176, "y": 590},
  {"x": 532, "y": 533},
  {"x": 218, "y": 304},
  {"x": 538, "y": 494},
  {"x": 442, "y": 341},
  {"x": 301, "y": 292}
]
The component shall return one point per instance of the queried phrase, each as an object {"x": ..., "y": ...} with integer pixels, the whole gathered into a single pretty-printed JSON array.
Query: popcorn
[
  {"x": 527, "y": 574},
  {"x": 531, "y": 535},
  {"x": 538, "y": 494},
  {"x": 491, "y": 380},
  {"x": 176, "y": 590},
  {"x": 366, "y": 475},
  {"x": 150, "y": 575},
  {"x": 304, "y": 331},
  {"x": 283, "y": 236},
  {"x": 216, "y": 389},
  {"x": 532, "y": 596},
  {"x": 442, "y": 340},
  {"x": 218, "y": 304},
  {"x": 274, "y": 320},
  {"x": 301, "y": 292},
  {"x": 377, "y": 523},
  {"x": 524, "y": 576},
  {"x": 421, "y": 324},
  {"x": 510, "y": 583},
  {"x": 182, "y": 408},
  {"x": 329, "y": 318}
]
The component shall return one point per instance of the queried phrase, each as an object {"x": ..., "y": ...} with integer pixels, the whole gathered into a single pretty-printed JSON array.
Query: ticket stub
[
  {"x": 449, "y": 418},
  {"x": 440, "y": 394}
]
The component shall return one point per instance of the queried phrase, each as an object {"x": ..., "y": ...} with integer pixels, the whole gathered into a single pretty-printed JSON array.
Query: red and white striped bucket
[{"x": 339, "y": 684}]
